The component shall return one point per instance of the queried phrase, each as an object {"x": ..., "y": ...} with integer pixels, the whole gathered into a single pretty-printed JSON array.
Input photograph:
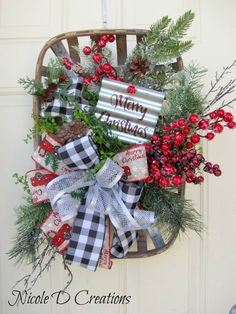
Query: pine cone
[
  {"x": 71, "y": 131},
  {"x": 138, "y": 66}
]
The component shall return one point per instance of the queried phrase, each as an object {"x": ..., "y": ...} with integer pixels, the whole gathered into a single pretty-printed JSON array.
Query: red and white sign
[
  {"x": 59, "y": 231},
  {"x": 134, "y": 162},
  {"x": 37, "y": 180},
  {"x": 46, "y": 155}
]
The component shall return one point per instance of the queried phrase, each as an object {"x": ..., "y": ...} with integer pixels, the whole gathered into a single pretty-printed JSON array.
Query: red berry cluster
[
  {"x": 67, "y": 63},
  {"x": 103, "y": 67},
  {"x": 215, "y": 122},
  {"x": 172, "y": 155}
]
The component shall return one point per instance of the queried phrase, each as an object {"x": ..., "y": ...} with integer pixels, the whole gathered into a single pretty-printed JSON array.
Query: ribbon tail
[
  {"x": 122, "y": 241},
  {"x": 87, "y": 238}
]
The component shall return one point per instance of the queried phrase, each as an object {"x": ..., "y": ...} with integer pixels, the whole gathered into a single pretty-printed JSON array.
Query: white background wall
[{"x": 195, "y": 276}]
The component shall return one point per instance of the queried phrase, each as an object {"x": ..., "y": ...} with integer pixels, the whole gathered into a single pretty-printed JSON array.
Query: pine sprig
[
  {"x": 31, "y": 86},
  {"x": 157, "y": 29},
  {"x": 179, "y": 29},
  {"x": 27, "y": 240},
  {"x": 185, "y": 96},
  {"x": 175, "y": 213},
  {"x": 163, "y": 42}
]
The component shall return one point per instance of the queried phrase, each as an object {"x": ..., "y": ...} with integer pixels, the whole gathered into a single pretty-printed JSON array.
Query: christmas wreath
[{"x": 117, "y": 146}]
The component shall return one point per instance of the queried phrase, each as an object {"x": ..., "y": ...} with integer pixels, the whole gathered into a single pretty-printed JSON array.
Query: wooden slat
[
  {"x": 44, "y": 70},
  {"x": 95, "y": 37},
  {"x": 74, "y": 54},
  {"x": 142, "y": 241},
  {"x": 121, "y": 48},
  {"x": 59, "y": 50}
]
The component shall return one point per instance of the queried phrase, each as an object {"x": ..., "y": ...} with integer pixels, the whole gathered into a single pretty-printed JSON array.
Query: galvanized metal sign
[{"x": 134, "y": 116}]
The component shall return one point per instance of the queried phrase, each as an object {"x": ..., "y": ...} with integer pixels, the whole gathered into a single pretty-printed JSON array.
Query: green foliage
[
  {"x": 107, "y": 144},
  {"x": 185, "y": 96},
  {"x": 21, "y": 180},
  {"x": 163, "y": 42},
  {"x": 46, "y": 124},
  {"x": 52, "y": 160},
  {"x": 90, "y": 96},
  {"x": 31, "y": 86},
  {"x": 27, "y": 240},
  {"x": 175, "y": 213},
  {"x": 55, "y": 70}
]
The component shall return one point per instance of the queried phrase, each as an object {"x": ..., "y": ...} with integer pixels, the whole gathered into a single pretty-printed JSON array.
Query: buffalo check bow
[{"x": 106, "y": 195}]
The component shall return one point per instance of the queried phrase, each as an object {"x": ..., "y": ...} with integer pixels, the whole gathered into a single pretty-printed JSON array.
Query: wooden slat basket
[{"x": 62, "y": 46}]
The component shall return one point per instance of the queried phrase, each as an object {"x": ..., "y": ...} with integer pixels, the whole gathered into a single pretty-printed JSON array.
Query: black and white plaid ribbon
[
  {"x": 60, "y": 106},
  {"x": 79, "y": 154},
  {"x": 104, "y": 197}
]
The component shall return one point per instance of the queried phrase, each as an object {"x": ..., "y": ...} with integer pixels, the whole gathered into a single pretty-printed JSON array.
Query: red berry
[
  {"x": 148, "y": 179},
  {"x": 68, "y": 66},
  {"x": 165, "y": 146},
  {"x": 179, "y": 138},
  {"x": 87, "y": 50},
  {"x": 62, "y": 78},
  {"x": 217, "y": 172},
  {"x": 155, "y": 138},
  {"x": 111, "y": 38},
  {"x": 228, "y": 117},
  {"x": 218, "y": 128},
  {"x": 213, "y": 115},
  {"x": 231, "y": 124},
  {"x": 203, "y": 124},
  {"x": 164, "y": 182},
  {"x": 166, "y": 127},
  {"x": 148, "y": 147},
  {"x": 166, "y": 138},
  {"x": 127, "y": 170},
  {"x": 220, "y": 112},
  {"x": 99, "y": 70},
  {"x": 111, "y": 77},
  {"x": 175, "y": 125},
  {"x": 177, "y": 180},
  {"x": 210, "y": 136},
  {"x": 181, "y": 123},
  {"x": 102, "y": 43},
  {"x": 131, "y": 89},
  {"x": 195, "y": 138},
  {"x": 157, "y": 174},
  {"x": 189, "y": 145},
  {"x": 200, "y": 179},
  {"x": 193, "y": 118},
  {"x": 86, "y": 80},
  {"x": 189, "y": 179},
  {"x": 104, "y": 37},
  {"x": 107, "y": 68},
  {"x": 97, "y": 58},
  {"x": 95, "y": 77},
  {"x": 169, "y": 169},
  {"x": 186, "y": 130}
]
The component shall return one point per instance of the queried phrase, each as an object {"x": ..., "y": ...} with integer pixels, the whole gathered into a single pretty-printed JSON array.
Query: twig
[{"x": 70, "y": 274}]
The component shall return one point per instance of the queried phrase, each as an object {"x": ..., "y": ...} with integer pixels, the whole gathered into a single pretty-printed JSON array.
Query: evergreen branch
[
  {"x": 157, "y": 29},
  {"x": 174, "y": 212},
  {"x": 179, "y": 29},
  {"x": 29, "y": 219},
  {"x": 31, "y": 86}
]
